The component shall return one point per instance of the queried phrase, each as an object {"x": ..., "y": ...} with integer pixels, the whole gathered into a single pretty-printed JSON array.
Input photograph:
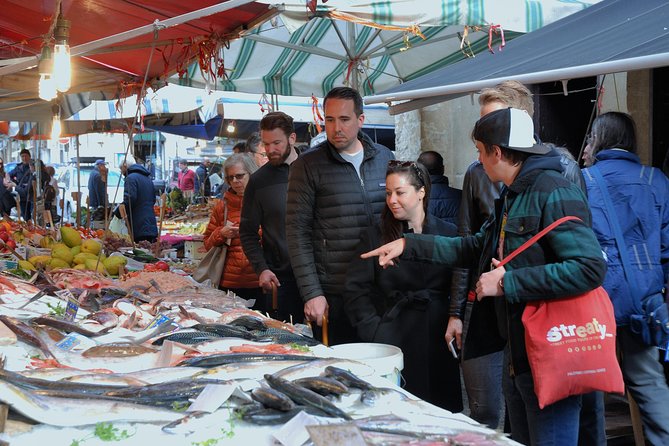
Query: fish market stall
[{"x": 151, "y": 356}]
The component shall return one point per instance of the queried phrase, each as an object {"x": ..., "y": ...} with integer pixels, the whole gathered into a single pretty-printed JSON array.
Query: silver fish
[
  {"x": 117, "y": 350},
  {"x": 79, "y": 412}
]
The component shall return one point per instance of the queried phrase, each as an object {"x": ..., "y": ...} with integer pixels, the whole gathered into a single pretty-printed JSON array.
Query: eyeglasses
[
  {"x": 262, "y": 154},
  {"x": 394, "y": 164},
  {"x": 238, "y": 177}
]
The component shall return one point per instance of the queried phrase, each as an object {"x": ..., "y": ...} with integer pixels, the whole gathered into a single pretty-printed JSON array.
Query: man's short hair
[
  {"x": 510, "y": 93},
  {"x": 345, "y": 93},
  {"x": 24, "y": 151},
  {"x": 183, "y": 162},
  {"x": 278, "y": 120},
  {"x": 433, "y": 162}
]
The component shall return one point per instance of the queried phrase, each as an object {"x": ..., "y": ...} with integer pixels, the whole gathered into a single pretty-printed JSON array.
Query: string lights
[
  {"x": 231, "y": 128},
  {"x": 56, "y": 126},
  {"x": 55, "y": 67}
]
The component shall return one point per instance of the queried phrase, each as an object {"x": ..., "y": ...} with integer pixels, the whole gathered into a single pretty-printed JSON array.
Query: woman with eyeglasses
[
  {"x": 6, "y": 186},
  {"x": 223, "y": 228},
  {"x": 407, "y": 306}
]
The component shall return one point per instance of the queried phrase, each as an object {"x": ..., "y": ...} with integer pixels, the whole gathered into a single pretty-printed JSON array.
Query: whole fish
[
  {"x": 270, "y": 417},
  {"x": 305, "y": 396},
  {"x": 79, "y": 412},
  {"x": 280, "y": 336},
  {"x": 272, "y": 399},
  {"x": 227, "y": 331},
  {"x": 229, "y": 358},
  {"x": 187, "y": 337},
  {"x": 26, "y": 334},
  {"x": 117, "y": 350},
  {"x": 44, "y": 384},
  {"x": 111, "y": 379},
  {"x": 347, "y": 378},
  {"x": 243, "y": 370},
  {"x": 249, "y": 322},
  {"x": 323, "y": 385},
  {"x": 104, "y": 318},
  {"x": 159, "y": 375},
  {"x": 165, "y": 393},
  {"x": 69, "y": 327}
]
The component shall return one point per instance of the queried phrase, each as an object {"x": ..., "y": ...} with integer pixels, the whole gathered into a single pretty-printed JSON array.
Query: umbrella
[{"x": 368, "y": 45}]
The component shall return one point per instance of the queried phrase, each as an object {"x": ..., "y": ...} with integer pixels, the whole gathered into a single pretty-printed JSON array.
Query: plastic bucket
[{"x": 386, "y": 360}]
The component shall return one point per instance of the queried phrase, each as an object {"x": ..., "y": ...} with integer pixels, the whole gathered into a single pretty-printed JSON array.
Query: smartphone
[{"x": 452, "y": 347}]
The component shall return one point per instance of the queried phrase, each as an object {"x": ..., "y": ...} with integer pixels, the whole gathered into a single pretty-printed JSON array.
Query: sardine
[
  {"x": 305, "y": 396},
  {"x": 26, "y": 334},
  {"x": 79, "y": 412},
  {"x": 323, "y": 385},
  {"x": 117, "y": 350},
  {"x": 227, "y": 331},
  {"x": 272, "y": 398},
  {"x": 285, "y": 337},
  {"x": 187, "y": 337},
  {"x": 347, "y": 378},
  {"x": 69, "y": 327},
  {"x": 229, "y": 358}
]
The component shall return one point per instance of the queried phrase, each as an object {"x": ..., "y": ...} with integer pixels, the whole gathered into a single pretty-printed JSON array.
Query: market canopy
[
  {"x": 371, "y": 46},
  {"x": 609, "y": 37},
  {"x": 115, "y": 44}
]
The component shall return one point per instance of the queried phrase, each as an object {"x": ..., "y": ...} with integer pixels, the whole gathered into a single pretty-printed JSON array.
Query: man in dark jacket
[
  {"x": 22, "y": 176},
  {"x": 97, "y": 187},
  {"x": 265, "y": 207},
  {"x": 536, "y": 195},
  {"x": 139, "y": 199},
  {"x": 444, "y": 200},
  {"x": 202, "y": 185},
  {"x": 334, "y": 192}
]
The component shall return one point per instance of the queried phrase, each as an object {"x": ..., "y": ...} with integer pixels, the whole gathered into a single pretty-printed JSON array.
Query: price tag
[
  {"x": 69, "y": 342},
  {"x": 211, "y": 398},
  {"x": 160, "y": 319},
  {"x": 72, "y": 304}
]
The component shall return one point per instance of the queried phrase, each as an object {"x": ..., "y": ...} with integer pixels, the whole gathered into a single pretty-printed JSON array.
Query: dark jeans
[
  {"x": 554, "y": 425},
  {"x": 592, "y": 430}
]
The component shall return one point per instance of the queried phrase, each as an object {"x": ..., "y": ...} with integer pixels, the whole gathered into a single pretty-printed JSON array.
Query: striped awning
[{"x": 372, "y": 46}]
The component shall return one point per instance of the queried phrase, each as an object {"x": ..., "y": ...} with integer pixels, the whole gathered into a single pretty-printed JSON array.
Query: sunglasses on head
[{"x": 407, "y": 164}]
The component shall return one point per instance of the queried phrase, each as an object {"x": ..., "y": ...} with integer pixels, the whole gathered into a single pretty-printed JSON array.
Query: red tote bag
[{"x": 570, "y": 342}]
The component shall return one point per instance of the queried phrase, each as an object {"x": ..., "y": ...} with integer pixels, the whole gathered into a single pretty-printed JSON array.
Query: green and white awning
[{"x": 371, "y": 45}]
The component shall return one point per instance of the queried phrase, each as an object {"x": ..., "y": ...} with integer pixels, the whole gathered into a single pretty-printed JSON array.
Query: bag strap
[
  {"x": 536, "y": 238},
  {"x": 615, "y": 227}
]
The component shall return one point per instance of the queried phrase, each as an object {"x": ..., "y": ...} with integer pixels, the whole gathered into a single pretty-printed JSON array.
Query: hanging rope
[{"x": 315, "y": 110}]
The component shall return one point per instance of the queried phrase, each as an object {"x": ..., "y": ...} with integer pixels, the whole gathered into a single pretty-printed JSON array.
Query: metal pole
[{"x": 78, "y": 185}]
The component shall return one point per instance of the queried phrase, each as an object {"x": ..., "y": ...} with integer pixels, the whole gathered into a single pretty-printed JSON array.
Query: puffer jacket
[
  {"x": 238, "y": 272},
  {"x": 566, "y": 262},
  {"x": 444, "y": 200},
  {"x": 139, "y": 199},
  {"x": 640, "y": 197},
  {"x": 328, "y": 207}
]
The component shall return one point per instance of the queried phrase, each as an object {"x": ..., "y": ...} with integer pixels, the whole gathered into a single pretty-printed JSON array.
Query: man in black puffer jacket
[{"x": 334, "y": 192}]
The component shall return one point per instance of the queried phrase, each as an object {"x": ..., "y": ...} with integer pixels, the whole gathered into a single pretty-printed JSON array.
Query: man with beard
[{"x": 265, "y": 206}]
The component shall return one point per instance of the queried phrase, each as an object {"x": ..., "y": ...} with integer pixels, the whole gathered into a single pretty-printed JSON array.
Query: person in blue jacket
[
  {"x": 97, "y": 186},
  {"x": 640, "y": 198},
  {"x": 139, "y": 200}
]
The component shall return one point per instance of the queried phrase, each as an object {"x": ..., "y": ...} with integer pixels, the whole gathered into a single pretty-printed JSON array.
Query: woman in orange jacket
[{"x": 223, "y": 228}]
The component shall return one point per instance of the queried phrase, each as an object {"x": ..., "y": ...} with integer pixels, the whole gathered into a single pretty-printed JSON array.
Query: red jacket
[
  {"x": 238, "y": 272},
  {"x": 186, "y": 180}
]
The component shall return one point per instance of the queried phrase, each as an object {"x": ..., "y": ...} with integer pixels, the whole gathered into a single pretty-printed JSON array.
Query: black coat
[
  {"x": 407, "y": 306},
  {"x": 139, "y": 199}
]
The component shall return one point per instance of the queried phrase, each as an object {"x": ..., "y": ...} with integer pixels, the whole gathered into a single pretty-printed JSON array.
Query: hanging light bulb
[
  {"x": 56, "y": 126},
  {"x": 62, "y": 67},
  {"x": 219, "y": 146},
  {"x": 47, "y": 86},
  {"x": 231, "y": 127}
]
